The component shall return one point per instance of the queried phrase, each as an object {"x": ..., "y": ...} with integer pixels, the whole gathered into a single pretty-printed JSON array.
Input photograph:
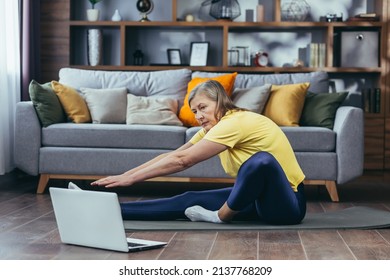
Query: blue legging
[{"x": 261, "y": 192}]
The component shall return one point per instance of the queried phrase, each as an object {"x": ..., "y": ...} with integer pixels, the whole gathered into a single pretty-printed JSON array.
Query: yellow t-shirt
[{"x": 246, "y": 133}]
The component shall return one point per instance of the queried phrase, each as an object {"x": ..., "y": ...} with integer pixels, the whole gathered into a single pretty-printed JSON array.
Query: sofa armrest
[
  {"x": 349, "y": 128},
  {"x": 27, "y": 138}
]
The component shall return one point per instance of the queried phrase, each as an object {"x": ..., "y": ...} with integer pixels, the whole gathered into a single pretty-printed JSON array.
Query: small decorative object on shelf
[
  {"x": 199, "y": 52},
  {"x": 243, "y": 58},
  {"x": 116, "y": 16},
  {"x": 93, "y": 14},
  {"x": 261, "y": 59},
  {"x": 138, "y": 56},
  {"x": 331, "y": 17},
  {"x": 295, "y": 10},
  {"x": 223, "y": 9},
  {"x": 233, "y": 57},
  {"x": 95, "y": 43},
  {"x": 145, "y": 7},
  {"x": 259, "y": 13},
  {"x": 189, "y": 18},
  {"x": 298, "y": 63},
  {"x": 174, "y": 56},
  {"x": 249, "y": 15}
]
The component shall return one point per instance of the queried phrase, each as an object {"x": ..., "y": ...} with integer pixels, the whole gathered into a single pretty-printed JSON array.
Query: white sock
[{"x": 199, "y": 214}]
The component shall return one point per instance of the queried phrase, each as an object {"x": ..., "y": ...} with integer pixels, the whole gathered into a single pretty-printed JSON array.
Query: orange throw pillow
[{"x": 186, "y": 115}]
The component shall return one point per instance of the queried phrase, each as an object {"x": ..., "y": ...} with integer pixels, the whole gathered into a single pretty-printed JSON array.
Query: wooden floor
[{"x": 28, "y": 229}]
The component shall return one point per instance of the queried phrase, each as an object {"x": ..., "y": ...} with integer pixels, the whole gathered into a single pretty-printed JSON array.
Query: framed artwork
[
  {"x": 198, "y": 53},
  {"x": 174, "y": 56}
]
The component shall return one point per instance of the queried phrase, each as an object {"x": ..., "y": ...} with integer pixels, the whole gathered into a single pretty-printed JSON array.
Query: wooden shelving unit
[
  {"x": 126, "y": 34},
  {"x": 227, "y": 27}
]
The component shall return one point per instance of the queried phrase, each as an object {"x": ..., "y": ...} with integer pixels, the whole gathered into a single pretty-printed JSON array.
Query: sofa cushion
[
  {"x": 253, "y": 99},
  {"x": 311, "y": 139},
  {"x": 46, "y": 103},
  {"x": 73, "y": 103},
  {"x": 106, "y": 105},
  {"x": 320, "y": 109},
  {"x": 285, "y": 104},
  {"x": 185, "y": 114},
  {"x": 152, "y": 110},
  {"x": 302, "y": 139},
  {"x": 318, "y": 166},
  {"x": 172, "y": 83},
  {"x": 319, "y": 81},
  {"x": 114, "y": 136},
  {"x": 191, "y": 131}
]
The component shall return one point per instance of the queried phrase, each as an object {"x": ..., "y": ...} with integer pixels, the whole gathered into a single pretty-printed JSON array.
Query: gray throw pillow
[
  {"x": 253, "y": 99},
  {"x": 106, "y": 105},
  {"x": 152, "y": 110},
  {"x": 46, "y": 104}
]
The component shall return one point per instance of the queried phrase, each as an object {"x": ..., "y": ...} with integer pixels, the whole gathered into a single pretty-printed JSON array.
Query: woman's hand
[{"x": 114, "y": 181}]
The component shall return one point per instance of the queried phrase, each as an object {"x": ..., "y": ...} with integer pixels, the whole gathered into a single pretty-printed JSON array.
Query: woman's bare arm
[
  {"x": 156, "y": 159},
  {"x": 178, "y": 160},
  {"x": 142, "y": 166}
]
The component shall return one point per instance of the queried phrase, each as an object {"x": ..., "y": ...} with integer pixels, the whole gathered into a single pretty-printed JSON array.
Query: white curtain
[{"x": 9, "y": 79}]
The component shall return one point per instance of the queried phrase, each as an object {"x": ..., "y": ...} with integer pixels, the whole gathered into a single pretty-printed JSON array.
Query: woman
[{"x": 269, "y": 181}]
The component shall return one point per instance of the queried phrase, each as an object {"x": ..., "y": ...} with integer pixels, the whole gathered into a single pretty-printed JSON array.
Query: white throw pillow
[
  {"x": 152, "y": 110},
  {"x": 253, "y": 99},
  {"x": 106, "y": 105}
]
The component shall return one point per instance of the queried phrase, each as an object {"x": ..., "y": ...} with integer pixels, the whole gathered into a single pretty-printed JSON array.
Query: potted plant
[{"x": 93, "y": 14}]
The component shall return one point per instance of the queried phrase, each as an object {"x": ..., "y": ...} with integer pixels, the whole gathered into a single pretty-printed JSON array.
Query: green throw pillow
[
  {"x": 46, "y": 103},
  {"x": 320, "y": 108}
]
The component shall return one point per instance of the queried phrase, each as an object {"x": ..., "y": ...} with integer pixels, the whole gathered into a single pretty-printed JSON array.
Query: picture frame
[
  {"x": 198, "y": 53},
  {"x": 174, "y": 56}
]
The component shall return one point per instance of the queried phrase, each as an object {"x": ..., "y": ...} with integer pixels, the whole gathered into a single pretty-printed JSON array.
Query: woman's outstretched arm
[{"x": 169, "y": 163}]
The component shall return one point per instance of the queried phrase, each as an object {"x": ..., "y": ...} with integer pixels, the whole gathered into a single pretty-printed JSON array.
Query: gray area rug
[{"x": 356, "y": 217}]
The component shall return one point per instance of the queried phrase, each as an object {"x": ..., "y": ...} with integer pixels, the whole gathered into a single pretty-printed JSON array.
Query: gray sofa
[{"x": 88, "y": 151}]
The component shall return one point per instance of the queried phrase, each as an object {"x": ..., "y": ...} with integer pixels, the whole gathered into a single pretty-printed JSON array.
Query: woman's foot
[
  {"x": 225, "y": 213},
  {"x": 199, "y": 214}
]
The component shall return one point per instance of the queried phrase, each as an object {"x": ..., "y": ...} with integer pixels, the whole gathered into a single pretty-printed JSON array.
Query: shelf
[
  {"x": 232, "y": 24},
  {"x": 223, "y": 35},
  {"x": 229, "y": 69}
]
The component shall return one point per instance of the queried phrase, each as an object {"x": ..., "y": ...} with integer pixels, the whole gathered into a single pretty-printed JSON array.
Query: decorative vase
[
  {"x": 116, "y": 16},
  {"x": 95, "y": 44},
  {"x": 93, "y": 14},
  {"x": 295, "y": 10},
  {"x": 225, "y": 9}
]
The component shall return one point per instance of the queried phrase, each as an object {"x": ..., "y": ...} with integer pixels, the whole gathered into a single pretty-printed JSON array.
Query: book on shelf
[
  {"x": 316, "y": 55},
  {"x": 367, "y": 15},
  {"x": 371, "y": 98},
  {"x": 311, "y": 55},
  {"x": 364, "y": 17},
  {"x": 377, "y": 92},
  {"x": 321, "y": 55}
]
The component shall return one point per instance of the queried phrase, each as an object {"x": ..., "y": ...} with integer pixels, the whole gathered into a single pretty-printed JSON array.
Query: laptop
[{"x": 93, "y": 219}]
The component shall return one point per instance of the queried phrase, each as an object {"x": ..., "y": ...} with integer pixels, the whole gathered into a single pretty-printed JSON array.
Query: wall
[{"x": 54, "y": 38}]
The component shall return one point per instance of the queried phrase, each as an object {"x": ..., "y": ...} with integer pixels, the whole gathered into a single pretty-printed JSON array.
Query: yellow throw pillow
[
  {"x": 185, "y": 114},
  {"x": 285, "y": 103},
  {"x": 73, "y": 103}
]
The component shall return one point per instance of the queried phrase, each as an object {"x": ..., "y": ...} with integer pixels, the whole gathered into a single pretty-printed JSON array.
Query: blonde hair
[{"x": 214, "y": 91}]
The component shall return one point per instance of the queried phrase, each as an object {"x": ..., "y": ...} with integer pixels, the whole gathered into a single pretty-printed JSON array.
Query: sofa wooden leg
[
  {"x": 332, "y": 190},
  {"x": 43, "y": 180}
]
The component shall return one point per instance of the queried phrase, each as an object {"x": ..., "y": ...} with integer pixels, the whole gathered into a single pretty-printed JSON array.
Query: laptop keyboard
[{"x": 131, "y": 244}]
